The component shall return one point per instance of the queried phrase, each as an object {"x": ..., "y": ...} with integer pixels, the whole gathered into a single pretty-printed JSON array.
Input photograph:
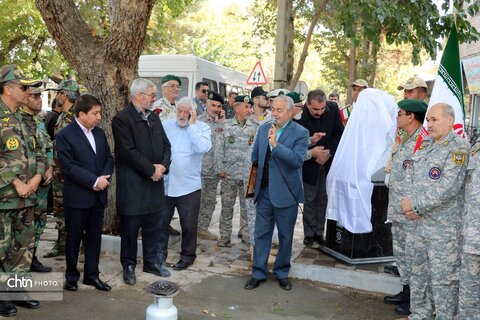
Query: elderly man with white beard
[{"x": 190, "y": 140}]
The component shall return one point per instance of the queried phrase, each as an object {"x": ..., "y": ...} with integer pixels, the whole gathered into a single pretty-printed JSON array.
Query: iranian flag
[{"x": 448, "y": 87}]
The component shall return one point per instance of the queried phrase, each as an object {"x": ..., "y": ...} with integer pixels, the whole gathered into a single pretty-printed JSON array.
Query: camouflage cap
[
  {"x": 212, "y": 95},
  {"x": 413, "y": 105},
  {"x": 11, "y": 72},
  {"x": 277, "y": 92},
  {"x": 296, "y": 97},
  {"x": 413, "y": 83},
  {"x": 244, "y": 98},
  {"x": 170, "y": 77},
  {"x": 68, "y": 85},
  {"x": 360, "y": 83}
]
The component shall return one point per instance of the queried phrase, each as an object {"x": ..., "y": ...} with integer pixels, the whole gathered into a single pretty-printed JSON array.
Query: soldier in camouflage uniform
[
  {"x": 36, "y": 128},
  {"x": 434, "y": 199},
  {"x": 165, "y": 107},
  {"x": 469, "y": 294},
  {"x": 410, "y": 119},
  {"x": 21, "y": 170},
  {"x": 68, "y": 92},
  {"x": 233, "y": 147},
  {"x": 214, "y": 117}
]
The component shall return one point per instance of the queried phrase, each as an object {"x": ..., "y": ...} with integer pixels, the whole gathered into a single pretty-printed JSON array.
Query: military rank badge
[
  {"x": 406, "y": 164},
  {"x": 12, "y": 144},
  {"x": 459, "y": 158},
  {"x": 435, "y": 173},
  {"x": 231, "y": 139}
]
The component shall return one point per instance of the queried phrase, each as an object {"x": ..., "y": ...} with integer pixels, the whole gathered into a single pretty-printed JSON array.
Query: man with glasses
[
  {"x": 214, "y": 118},
  {"x": 67, "y": 93},
  {"x": 165, "y": 107},
  {"x": 260, "y": 105},
  {"x": 21, "y": 173},
  {"x": 201, "y": 93},
  {"x": 142, "y": 157},
  {"x": 36, "y": 126},
  {"x": 411, "y": 114}
]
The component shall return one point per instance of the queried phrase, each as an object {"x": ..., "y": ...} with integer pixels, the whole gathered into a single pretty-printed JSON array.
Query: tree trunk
[
  {"x": 106, "y": 66},
  {"x": 319, "y": 8},
  {"x": 352, "y": 72}
]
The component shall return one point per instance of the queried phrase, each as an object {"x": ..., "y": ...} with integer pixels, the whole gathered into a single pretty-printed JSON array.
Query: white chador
[{"x": 363, "y": 151}]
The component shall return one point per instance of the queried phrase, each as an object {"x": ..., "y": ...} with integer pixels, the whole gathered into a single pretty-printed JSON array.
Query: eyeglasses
[
  {"x": 153, "y": 95},
  {"x": 204, "y": 90},
  {"x": 174, "y": 86}
]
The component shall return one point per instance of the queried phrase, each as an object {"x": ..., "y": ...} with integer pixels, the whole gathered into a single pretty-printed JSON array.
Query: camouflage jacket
[
  {"x": 435, "y": 179},
  {"x": 37, "y": 128},
  {"x": 401, "y": 157},
  {"x": 20, "y": 158},
  {"x": 168, "y": 110},
  {"x": 233, "y": 148},
  {"x": 471, "y": 213},
  {"x": 208, "y": 162}
]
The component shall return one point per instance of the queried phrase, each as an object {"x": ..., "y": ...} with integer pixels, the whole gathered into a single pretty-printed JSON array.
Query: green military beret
[
  {"x": 68, "y": 85},
  {"x": 244, "y": 98},
  {"x": 296, "y": 97},
  {"x": 212, "y": 95},
  {"x": 170, "y": 77},
  {"x": 413, "y": 105}
]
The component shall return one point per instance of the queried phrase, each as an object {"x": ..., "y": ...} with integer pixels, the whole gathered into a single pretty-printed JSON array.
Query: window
[{"x": 212, "y": 84}]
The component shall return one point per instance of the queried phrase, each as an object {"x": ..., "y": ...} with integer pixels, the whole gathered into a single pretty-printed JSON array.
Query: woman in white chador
[{"x": 363, "y": 151}]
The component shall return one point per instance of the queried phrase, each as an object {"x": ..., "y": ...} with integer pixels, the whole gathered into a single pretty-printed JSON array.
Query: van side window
[
  {"x": 223, "y": 89},
  {"x": 212, "y": 84}
]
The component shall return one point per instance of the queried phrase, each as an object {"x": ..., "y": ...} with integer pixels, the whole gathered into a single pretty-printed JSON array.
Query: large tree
[{"x": 103, "y": 46}]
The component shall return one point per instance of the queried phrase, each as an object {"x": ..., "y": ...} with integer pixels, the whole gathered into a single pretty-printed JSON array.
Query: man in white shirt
[{"x": 190, "y": 140}]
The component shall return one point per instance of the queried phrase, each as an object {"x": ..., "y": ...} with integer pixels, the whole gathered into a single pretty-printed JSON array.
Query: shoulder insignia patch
[
  {"x": 435, "y": 173},
  {"x": 231, "y": 139},
  {"x": 406, "y": 164},
  {"x": 12, "y": 144},
  {"x": 459, "y": 157}
]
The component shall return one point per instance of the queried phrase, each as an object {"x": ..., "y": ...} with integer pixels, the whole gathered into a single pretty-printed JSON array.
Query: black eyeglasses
[{"x": 153, "y": 95}]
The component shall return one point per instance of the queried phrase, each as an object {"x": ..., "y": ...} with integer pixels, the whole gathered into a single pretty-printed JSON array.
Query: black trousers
[
  {"x": 315, "y": 206},
  {"x": 153, "y": 225},
  {"x": 78, "y": 222},
  {"x": 188, "y": 207}
]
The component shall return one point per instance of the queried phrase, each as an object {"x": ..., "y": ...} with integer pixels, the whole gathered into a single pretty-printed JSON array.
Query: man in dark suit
[
  {"x": 87, "y": 165},
  {"x": 322, "y": 120},
  {"x": 279, "y": 150},
  {"x": 142, "y": 157}
]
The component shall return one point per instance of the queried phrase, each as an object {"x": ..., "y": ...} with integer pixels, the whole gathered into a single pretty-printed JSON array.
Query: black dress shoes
[
  {"x": 181, "y": 265},
  {"x": 319, "y": 240},
  {"x": 98, "y": 284},
  {"x": 157, "y": 269},
  {"x": 37, "y": 266},
  {"x": 252, "y": 283},
  {"x": 129, "y": 275},
  {"x": 308, "y": 241},
  {"x": 7, "y": 309},
  {"x": 26, "y": 302},
  {"x": 70, "y": 285},
  {"x": 285, "y": 284}
]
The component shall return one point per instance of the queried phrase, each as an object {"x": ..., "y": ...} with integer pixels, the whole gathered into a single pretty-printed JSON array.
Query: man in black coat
[
  {"x": 142, "y": 157},
  {"x": 87, "y": 164},
  {"x": 322, "y": 119}
]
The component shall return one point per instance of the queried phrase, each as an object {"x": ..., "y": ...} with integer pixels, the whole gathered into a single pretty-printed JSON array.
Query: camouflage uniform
[
  {"x": 436, "y": 176},
  {"x": 36, "y": 127},
  {"x": 20, "y": 158},
  {"x": 233, "y": 147},
  {"x": 168, "y": 110},
  {"x": 401, "y": 155},
  {"x": 64, "y": 119},
  {"x": 469, "y": 295},
  {"x": 210, "y": 178}
]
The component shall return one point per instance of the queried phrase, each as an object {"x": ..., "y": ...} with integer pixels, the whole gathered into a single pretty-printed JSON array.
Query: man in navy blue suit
[
  {"x": 279, "y": 150},
  {"x": 87, "y": 165}
]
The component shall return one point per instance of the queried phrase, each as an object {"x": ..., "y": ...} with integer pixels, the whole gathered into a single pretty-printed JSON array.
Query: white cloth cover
[{"x": 363, "y": 150}]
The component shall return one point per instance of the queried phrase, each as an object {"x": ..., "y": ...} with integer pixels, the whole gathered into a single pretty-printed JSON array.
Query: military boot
[
  {"x": 37, "y": 266},
  {"x": 403, "y": 309},
  {"x": 400, "y": 298},
  {"x": 59, "y": 247}
]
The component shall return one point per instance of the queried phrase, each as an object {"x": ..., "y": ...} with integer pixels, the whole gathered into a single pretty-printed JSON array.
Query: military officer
[
  {"x": 233, "y": 148},
  {"x": 434, "y": 180},
  {"x": 21, "y": 171},
  {"x": 67, "y": 93},
  {"x": 410, "y": 118},
  {"x": 165, "y": 107},
  {"x": 214, "y": 117},
  {"x": 30, "y": 113}
]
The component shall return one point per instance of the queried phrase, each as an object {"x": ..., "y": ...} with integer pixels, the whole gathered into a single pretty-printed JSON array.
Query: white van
[{"x": 191, "y": 69}]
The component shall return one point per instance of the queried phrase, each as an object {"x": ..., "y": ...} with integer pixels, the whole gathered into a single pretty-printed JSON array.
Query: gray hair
[
  {"x": 140, "y": 85},
  {"x": 186, "y": 102},
  {"x": 447, "y": 109},
  {"x": 288, "y": 101},
  {"x": 317, "y": 95}
]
